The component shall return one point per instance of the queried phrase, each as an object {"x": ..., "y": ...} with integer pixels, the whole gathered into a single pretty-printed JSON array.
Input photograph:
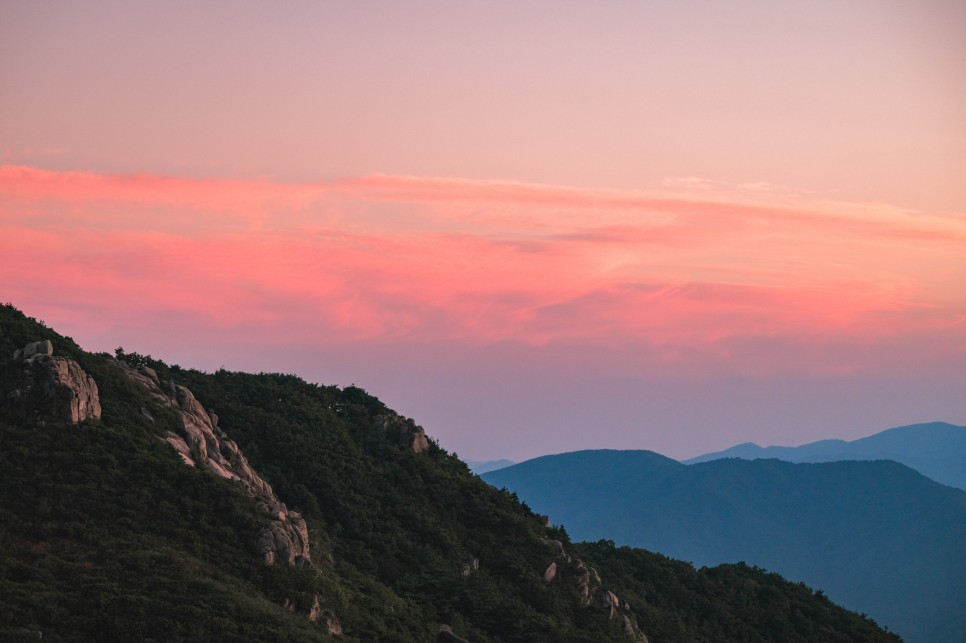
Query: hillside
[
  {"x": 141, "y": 501},
  {"x": 937, "y": 450},
  {"x": 876, "y": 536}
]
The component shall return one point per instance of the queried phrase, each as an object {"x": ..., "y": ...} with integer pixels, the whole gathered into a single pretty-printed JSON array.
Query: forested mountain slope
[{"x": 141, "y": 501}]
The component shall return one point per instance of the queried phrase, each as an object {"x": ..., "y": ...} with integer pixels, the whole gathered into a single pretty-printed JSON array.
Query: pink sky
[{"x": 532, "y": 229}]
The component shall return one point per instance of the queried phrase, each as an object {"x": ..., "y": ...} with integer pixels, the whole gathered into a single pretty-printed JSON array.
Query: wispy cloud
[
  {"x": 11, "y": 155},
  {"x": 388, "y": 258}
]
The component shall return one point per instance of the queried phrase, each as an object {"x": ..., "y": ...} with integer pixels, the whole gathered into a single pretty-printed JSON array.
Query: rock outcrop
[
  {"x": 446, "y": 635},
  {"x": 550, "y": 573},
  {"x": 319, "y": 614},
  {"x": 611, "y": 602},
  {"x": 34, "y": 348},
  {"x": 589, "y": 589},
  {"x": 285, "y": 539},
  {"x": 417, "y": 440},
  {"x": 62, "y": 389},
  {"x": 411, "y": 435},
  {"x": 470, "y": 567}
]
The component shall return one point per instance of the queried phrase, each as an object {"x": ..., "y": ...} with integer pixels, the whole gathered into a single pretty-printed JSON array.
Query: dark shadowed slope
[
  {"x": 936, "y": 450},
  {"x": 877, "y": 536}
]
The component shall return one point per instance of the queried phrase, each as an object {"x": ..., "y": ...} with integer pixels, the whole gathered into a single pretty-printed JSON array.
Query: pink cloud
[{"x": 394, "y": 259}]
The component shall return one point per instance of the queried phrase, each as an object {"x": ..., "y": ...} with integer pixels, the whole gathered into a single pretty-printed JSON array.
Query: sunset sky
[{"x": 533, "y": 227}]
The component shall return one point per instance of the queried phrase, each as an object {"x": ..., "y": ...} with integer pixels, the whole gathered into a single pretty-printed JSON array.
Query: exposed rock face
[
  {"x": 631, "y": 630},
  {"x": 332, "y": 624},
  {"x": 446, "y": 635},
  {"x": 316, "y": 610},
  {"x": 415, "y": 438},
  {"x": 420, "y": 442},
  {"x": 411, "y": 436},
  {"x": 181, "y": 447},
  {"x": 470, "y": 567},
  {"x": 74, "y": 390},
  {"x": 584, "y": 584},
  {"x": 34, "y": 348},
  {"x": 590, "y": 592},
  {"x": 286, "y": 538},
  {"x": 550, "y": 573},
  {"x": 610, "y": 600},
  {"x": 210, "y": 445},
  {"x": 68, "y": 392},
  {"x": 556, "y": 544}
]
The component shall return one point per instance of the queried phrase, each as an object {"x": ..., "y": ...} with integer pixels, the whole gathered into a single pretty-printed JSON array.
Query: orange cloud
[{"x": 408, "y": 259}]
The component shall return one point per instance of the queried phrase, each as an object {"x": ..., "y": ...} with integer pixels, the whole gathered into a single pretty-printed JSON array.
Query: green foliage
[
  {"x": 410, "y": 521},
  {"x": 105, "y": 534},
  {"x": 675, "y": 602}
]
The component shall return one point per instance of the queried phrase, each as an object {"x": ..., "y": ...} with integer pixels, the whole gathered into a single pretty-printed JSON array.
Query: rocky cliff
[
  {"x": 55, "y": 387},
  {"x": 590, "y": 590},
  {"x": 285, "y": 538}
]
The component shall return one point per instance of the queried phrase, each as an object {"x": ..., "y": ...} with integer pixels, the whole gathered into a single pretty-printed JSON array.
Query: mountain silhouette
[
  {"x": 935, "y": 449},
  {"x": 484, "y": 466},
  {"x": 877, "y": 536}
]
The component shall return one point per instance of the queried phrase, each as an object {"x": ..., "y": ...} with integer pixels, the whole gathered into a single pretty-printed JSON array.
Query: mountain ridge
[
  {"x": 876, "y": 535},
  {"x": 109, "y": 532},
  {"x": 935, "y": 449},
  {"x": 484, "y": 466}
]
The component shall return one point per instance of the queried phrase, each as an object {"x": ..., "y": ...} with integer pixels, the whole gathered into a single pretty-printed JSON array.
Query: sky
[{"x": 533, "y": 227}]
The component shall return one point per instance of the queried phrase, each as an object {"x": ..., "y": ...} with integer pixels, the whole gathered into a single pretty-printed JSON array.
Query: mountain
[
  {"x": 876, "y": 536},
  {"x": 937, "y": 450},
  {"x": 484, "y": 466},
  {"x": 146, "y": 502}
]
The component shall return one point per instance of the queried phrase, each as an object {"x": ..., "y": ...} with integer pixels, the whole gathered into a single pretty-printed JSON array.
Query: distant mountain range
[
  {"x": 480, "y": 467},
  {"x": 936, "y": 450},
  {"x": 876, "y": 536}
]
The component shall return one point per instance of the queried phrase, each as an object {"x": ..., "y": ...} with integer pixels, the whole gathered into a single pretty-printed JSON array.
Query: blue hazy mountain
[
  {"x": 936, "y": 450},
  {"x": 484, "y": 466},
  {"x": 876, "y": 536}
]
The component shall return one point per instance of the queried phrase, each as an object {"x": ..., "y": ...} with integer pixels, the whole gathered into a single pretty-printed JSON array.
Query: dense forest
[{"x": 106, "y": 534}]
